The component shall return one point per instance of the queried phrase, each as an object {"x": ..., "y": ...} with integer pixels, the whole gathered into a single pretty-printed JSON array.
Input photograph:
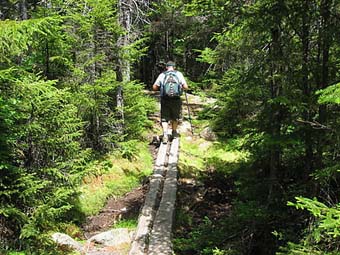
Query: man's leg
[
  {"x": 174, "y": 125},
  {"x": 165, "y": 127},
  {"x": 176, "y": 113},
  {"x": 165, "y": 113}
]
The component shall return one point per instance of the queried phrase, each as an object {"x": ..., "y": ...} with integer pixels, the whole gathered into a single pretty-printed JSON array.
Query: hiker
[{"x": 171, "y": 84}]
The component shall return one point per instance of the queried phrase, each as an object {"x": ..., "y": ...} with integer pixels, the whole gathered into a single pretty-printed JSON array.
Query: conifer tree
[{"x": 57, "y": 102}]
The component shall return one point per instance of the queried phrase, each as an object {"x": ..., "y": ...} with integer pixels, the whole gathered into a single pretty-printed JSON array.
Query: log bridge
[{"x": 154, "y": 229}]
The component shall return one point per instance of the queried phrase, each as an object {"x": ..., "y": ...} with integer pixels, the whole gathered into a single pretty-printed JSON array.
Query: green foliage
[
  {"x": 267, "y": 79},
  {"x": 269, "y": 64},
  {"x": 93, "y": 198},
  {"x": 16, "y": 36},
  {"x": 207, "y": 56},
  {"x": 48, "y": 122},
  {"x": 97, "y": 105},
  {"x": 137, "y": 107},
  {"x": 57, "y": 104},
  {"x": 128, "y": 149},
  {"x": 327, "y": 175},
  {"x": 215, "y": 162},
  {"x": 226, "y": 235},
  {"x": 186, "y": 36},
  {"x": 43, "y": 146},
  {"x": 330, "y": 95},
  {"x": 322, "y": 234},
  {"x": 196, "y": 237}
]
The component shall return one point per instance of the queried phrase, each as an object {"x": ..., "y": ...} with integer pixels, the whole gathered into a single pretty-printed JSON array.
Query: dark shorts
[{"x": 170, "y": 109}]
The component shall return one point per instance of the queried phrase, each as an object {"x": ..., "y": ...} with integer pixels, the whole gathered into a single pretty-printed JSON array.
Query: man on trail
[{"x": 171, "y": 84}]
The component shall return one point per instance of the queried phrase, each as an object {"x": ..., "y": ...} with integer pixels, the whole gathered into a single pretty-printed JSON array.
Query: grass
[
  {"x": 127, "y": 223},
  {"x": 198, "y": 155},
  {"x": 113, "y": 176}
]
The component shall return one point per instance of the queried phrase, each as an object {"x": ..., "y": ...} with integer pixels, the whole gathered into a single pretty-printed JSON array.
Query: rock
[
  {"x": 112, "y": 237},
  {"x": 63, "y": 239},
  {"x": 184, "y": 127},
  {"x": 205, "y": 145},
  {"x": 198, "y": 100},
  {"x": 187, "y": 181},
  {"x": 188, "y": 138},
  {"x": 208, "y": 134}
]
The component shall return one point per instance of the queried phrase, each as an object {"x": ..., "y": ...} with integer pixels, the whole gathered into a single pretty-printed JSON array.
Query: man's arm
[
  {"x": 157, "y": 83},
  {"x": 155, "y": 87},
  {"x": 183, "y": 81}
]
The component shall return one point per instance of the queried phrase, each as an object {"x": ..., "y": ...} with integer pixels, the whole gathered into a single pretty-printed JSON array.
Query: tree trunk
[
  {"x": 125, "y": 12},
  {"x": 306, "y": 89},
  {"x": 23, "y": 10},
  {"x": 123, "y": 64},
  {"x": 324, "y": 46},
  {"x": 275, "y": 111},
  {"x": 47, "y": 49}
]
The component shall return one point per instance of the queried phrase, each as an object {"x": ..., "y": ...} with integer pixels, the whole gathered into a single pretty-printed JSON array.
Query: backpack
[{"x": 171, "y": 86}]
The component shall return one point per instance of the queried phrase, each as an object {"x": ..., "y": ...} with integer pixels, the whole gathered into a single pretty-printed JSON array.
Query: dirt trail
[{"x": 126, "y": 207}]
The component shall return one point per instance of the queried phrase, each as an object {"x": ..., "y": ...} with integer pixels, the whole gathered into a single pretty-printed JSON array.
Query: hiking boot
[
  {"x": 175, "y": 134},
  {"x": 165, "y": 139}
]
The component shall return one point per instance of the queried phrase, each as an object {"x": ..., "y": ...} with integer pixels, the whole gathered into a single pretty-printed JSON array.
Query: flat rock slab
[
  {"x": 113, "y": 242},
  {"x": 114, "y": 237}
]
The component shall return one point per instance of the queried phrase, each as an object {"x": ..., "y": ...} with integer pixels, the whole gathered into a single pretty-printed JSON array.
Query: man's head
[{"x": 170, "y": 65}]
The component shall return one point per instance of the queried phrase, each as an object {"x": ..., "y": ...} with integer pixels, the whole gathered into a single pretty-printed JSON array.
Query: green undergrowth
[
  {"x": 243, "y": 220},
  {"x": 198, "y": 156},
  {"x": 115, "y": 175},
  {"x": 205, "y": 161}
]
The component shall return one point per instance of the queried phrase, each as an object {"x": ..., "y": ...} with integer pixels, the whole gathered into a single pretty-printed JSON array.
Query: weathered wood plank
[
  {"x": 147, "y": 214},
  {"x": 160, "y": 239},
  {"x": 160, "y": 161}
]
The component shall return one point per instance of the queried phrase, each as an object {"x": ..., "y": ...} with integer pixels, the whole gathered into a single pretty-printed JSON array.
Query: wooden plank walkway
[{"x": 154, "y": 230}]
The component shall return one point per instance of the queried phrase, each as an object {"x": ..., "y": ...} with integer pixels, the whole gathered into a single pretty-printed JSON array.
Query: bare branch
[{"x": 314, "y": 124}]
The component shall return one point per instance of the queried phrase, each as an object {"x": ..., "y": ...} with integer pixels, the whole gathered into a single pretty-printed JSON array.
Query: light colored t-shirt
[{"x": 160, "y": 79}]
